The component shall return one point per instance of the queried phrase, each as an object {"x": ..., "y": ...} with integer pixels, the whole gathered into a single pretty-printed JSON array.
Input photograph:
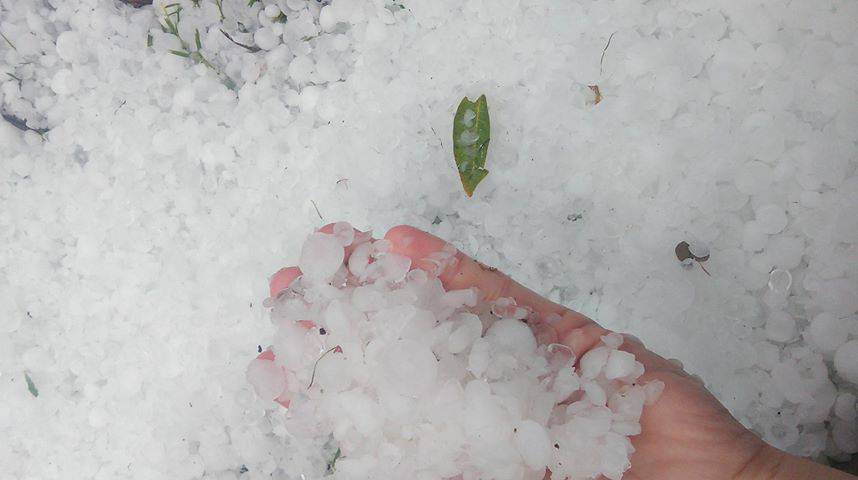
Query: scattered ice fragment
[
  {"x": 469, "y": 329},
  {"x": 468, "y": 138},
  {"x": 360, "y": 258},
  {"x": 344, "y": 232},
  {"x": 612, "y": 340},
  {"x": 267, "y": 378},
  {"x": 619, "y": 364},
  {"x": 594, "y": 392},
  {"x": 533, "y": 443},
  {"x": 468, "y": 117},
  {"x": 321, "y": 257},
  {"x": 593, "y": 361}
]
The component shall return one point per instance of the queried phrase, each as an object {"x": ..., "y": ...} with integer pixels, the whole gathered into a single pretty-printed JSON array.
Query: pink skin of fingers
[{"x": 553, "y": 323}]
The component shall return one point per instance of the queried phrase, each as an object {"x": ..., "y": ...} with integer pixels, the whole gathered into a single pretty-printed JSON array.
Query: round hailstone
[
  {"x": 699, "y": 249},
  {"x": 826, "y": 332},
  {"x": 771, "y": 219},
  {"x": 68, "y": 46},
  {"x": 65, "y": 82},
  {"x": 780, "y": 281},
  {"x": 327, "y": 18},
  {"x": 845, "y": 436},
  {"x": 780, "y": 326},
  {"x": 321, "y": 257},
  {"x": 301, "y": 68},
  {"x": 844, "y": 407},
  {"x": 271, "y": 10},
  {"x": 265, "y": 38},
  {"x": 846, "y": 361}
]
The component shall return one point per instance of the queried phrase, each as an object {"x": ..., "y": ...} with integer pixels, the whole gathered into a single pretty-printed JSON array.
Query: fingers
[
  {"x": 556, "y": 324},
  {"x": 285, "y": 276},
  {"x": 466, "y": 272},
  {"x": 282, "y": 279}
]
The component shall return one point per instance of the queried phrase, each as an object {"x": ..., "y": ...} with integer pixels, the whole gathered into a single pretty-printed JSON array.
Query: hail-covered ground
[{"x": 157, "y": 164}]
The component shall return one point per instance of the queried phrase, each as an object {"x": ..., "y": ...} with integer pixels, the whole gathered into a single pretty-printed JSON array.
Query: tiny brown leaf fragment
[
  {"x": 683, "y": 252},
  {"x": 596, "y": 93}
]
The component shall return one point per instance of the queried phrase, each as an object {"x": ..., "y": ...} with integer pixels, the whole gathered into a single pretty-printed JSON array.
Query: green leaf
[
  {"x": 149, "y": 40},
  {"x": 471, "y": 135},
  {"x": 197, "y": 39},
  {"x": 180, "y": 53},
  {"x": 333, "y": 462},
  {"x": 31, "y": 386}
]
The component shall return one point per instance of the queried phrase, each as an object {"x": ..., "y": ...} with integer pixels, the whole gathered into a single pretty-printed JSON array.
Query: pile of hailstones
[{"x": 387, "y": 375}]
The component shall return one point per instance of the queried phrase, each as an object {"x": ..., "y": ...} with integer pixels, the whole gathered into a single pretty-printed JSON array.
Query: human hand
[{"x": 686, "y": 434}]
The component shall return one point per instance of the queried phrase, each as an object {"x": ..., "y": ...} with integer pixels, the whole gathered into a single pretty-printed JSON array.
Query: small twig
[
  {"x": 604, "y": 50},
  {"x": 21, "y": 124},
  {"x": 436, "y": 136},
  {"x": 15, "y": 78},
  {"x": 249, "y": 48},
  {"x": 704, "y": 269},
  {"x": 137, "y": 3},
  {"x": 337, "y": 349},
  {"x": 317, "y": 210},
  {"x": 597, "y": 93},
  {"x": 8, "y": 41}
]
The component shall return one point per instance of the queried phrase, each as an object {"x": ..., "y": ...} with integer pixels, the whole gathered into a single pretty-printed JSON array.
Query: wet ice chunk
[
  {"x": 321, "y": 257},
  {"x": 533, "y": 443}
]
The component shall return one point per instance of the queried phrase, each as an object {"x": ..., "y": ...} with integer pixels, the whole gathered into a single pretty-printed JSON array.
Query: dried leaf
[
  {"x": 682, "y": 251},
  {"x": 471, "y": 135},
  {"x": 597, "y": 93}
]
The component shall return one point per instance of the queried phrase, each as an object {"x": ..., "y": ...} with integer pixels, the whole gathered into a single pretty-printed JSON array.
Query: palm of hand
[{"x": 687, "y": 433}]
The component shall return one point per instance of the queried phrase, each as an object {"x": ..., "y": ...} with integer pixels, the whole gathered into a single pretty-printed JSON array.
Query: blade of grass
[{"x": 8, "y": 41}]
